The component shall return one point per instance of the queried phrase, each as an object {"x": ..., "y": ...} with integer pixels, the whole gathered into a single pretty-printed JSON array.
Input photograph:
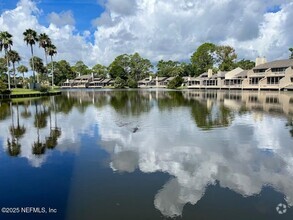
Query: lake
[{"x": 147, "y": 154}]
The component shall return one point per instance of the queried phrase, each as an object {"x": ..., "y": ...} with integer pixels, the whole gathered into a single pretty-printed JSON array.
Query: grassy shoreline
[
  {"x": 26, "y": 93},
  {"x": 30, "y": 91}
]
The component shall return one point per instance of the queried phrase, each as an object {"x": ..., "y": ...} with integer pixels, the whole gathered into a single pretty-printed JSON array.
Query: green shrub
[
  {"x": 175, "y": 83},
  {"x": 3, "y": 86},
  {"x": 119, "y": 83},
  {"x": 6, "y": 92},
  {"x": 43, "y": 89},
  {"x": 131, "y": 83}
]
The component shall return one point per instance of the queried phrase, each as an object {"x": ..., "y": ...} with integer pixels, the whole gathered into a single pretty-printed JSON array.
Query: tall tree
[
  {"x": 39, "y": 67},
  {"x": 245, "y": 64},
  {"x": 139, "y": 67},
  {"x": 6, "y": 43},
  {"x": 291, "y": 55},
  {"x": 3, "y": 69},
  {"x": 31, "y": 37},
  {"x": 44, "y": 42},
  {"x": 52, "y": 50},
  {"x": 14, "y": 57},
  {"x": 62, "y": 71},
  {"x": 188, "y": 69},
  {"x": 120, "y": 67},
  {"x": 100, "y": 71},
  {"x": 22, "y": 69},
  {"x": 226, "y": 57},
  {"x": 203, "y": 58},
  {"x": 81, "y": 68},
  {"x": 169, "y": 68}
]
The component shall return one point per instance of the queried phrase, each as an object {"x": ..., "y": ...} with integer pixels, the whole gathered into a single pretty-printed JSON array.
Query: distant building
[{"x": 275, "y": 75}]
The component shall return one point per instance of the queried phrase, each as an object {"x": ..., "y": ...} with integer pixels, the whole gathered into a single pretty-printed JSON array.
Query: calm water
[{"x": 148, "y": 154}]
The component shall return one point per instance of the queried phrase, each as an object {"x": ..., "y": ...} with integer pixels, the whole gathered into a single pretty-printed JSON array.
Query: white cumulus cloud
[
  {"x": 61, "y": 19},
  {"x": 159, "y": 29}
]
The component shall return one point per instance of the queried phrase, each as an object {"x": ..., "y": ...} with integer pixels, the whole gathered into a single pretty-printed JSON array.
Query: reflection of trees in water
[
  {"x": 138, "y": 102},
  {"x": 16, "y": 132},
  {"x": 290, "y": 124},
  {"x": 41, "y": 116},
  {"x": 129, "y": 103},
  {"x": 13, "y": 147},
  {"x": 26, "y": 113},
  {"x": 39, "y": 147},
  {"x": 55, "y": 132},
  {"x": 43, "y": 109},
  {"x": 205, "y": 118},
  {"x": 51, "y": 141},
  {"x": 65, "y": 104},
  {"x": 4, "y": 110},
  {"x": 171, "y": 99}
]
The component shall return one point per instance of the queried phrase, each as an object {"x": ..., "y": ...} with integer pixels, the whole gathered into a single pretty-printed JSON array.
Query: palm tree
[
  {"x": 44, "y": 42},
  {"x": 31, "y": 37},
  {"x": 6, "y": 43},
  {"x": 14, "y": 57},
  {"x": 52, "y": 50},
  {"x": 22, "y": 69}
]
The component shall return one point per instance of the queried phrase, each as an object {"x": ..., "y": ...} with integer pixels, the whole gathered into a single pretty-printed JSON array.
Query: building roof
[
  {"x": 194, "y": 79},
  {"x": 218, "y": 75},
  {"x": 97, "y": 79},
  {"x": 242, "y": 74},
  {"x": 106, "y": 80},
  {"x": 161, "y": 78},
  {"x": 170, "y": 78},
  {"x": 84, "y": 77},
  {"x": 185, "y": 78},
  {"x": 146, "y": 80},
  {"x": 275, "y": 64},
  {"x": 221, "y": 74},
  {"x": 203, "y": 75}
]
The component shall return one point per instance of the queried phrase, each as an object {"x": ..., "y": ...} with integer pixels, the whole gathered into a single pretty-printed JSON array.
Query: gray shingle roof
[
  {"x": 203, "y": 75},
  {"x": 242, "y": 74},
  {"x": 218, "y": 75},
  {"x": 275, "y": 64}
]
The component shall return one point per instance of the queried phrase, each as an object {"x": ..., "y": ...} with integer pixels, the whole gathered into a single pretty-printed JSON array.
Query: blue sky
[
  {"x": 96, "y": 31},
  {"x": 84, "y": 11}
]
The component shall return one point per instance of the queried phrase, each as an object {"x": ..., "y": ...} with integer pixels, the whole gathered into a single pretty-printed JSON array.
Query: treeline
[{"x": 126, "y": 69}]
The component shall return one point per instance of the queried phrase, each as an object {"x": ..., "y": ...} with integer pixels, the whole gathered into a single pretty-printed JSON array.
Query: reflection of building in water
[{"x": 271, "y": 102}]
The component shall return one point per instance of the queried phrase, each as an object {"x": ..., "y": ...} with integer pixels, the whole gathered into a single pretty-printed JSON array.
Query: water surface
[{"x": 148, "y": 154}]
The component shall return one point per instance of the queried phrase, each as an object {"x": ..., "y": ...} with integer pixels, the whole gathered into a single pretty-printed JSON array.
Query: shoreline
[{"x": 28, "y": 95}]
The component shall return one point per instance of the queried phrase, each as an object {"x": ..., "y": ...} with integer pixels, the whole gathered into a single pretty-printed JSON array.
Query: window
[
  {"x": 272, "y": 100},
  {"x": 273, "y": 80},
  {"x": 254, "y": 80},
  {"x": 259, "y": 70},
  {"x": 253, "y": 99},
  {"x": 281, "y": 69}
]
